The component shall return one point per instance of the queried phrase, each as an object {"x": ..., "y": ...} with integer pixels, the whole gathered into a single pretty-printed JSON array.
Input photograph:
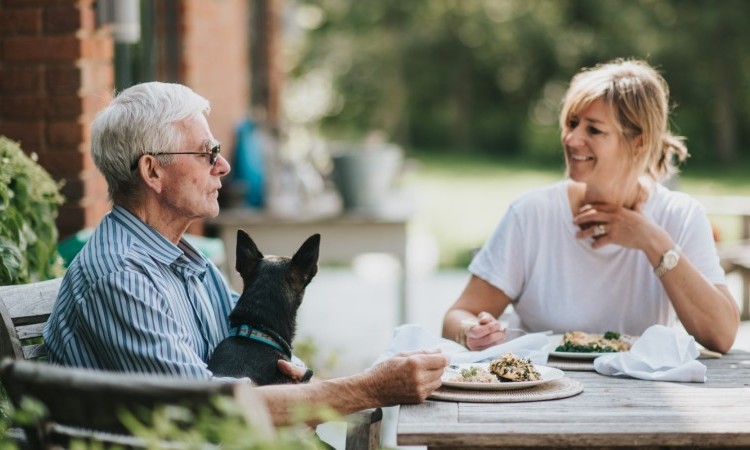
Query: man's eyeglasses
[{"x": 213, "y": 155}]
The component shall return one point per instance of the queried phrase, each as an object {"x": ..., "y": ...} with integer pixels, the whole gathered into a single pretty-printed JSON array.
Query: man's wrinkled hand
[{"x": 407, "y": 377}]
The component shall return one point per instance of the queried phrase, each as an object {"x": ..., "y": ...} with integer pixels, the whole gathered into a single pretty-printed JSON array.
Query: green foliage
[
  {"x": 30, "y": 413},
  {"x": 29, "y": 199},
  {"x": 221, "y": 425},
  {"x": 488, "y": 75},
  {"x": 322, "y": 364}
]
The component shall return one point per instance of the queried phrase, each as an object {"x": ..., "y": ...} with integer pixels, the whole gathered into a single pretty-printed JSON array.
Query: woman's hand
[
  {"x": 612, "y": 224},
  {"x": 484, "y": 332}
]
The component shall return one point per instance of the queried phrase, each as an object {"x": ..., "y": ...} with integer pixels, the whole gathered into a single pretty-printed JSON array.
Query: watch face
[{"x": 671, "y": 258}]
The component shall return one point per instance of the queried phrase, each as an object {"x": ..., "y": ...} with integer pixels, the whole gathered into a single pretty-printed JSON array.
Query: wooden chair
[
  {"x": 85, "y": 404},
  {"x": 24, "y": 309}
]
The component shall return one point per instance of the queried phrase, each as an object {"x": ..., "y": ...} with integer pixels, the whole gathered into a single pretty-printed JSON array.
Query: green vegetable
[
  {"x": 611, "y": 335},
  {"x": 469, "y": 373},
  {"x": 577, "y": 348}
]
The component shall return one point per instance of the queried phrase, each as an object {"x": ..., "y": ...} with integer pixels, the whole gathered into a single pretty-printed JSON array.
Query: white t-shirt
[{"x": 558, "y": 282}]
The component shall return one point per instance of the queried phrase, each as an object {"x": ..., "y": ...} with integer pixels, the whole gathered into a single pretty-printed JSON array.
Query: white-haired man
[{"x": 139, "y": 298}]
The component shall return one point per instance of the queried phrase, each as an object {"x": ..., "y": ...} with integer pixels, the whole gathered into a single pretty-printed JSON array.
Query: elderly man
[{"x": 139, "y": 298}]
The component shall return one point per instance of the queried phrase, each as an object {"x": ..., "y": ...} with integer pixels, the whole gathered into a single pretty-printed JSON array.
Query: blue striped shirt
[{"x": 132, "y": 301}]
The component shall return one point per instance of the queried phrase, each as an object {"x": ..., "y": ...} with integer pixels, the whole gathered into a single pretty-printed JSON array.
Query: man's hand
[
  {"x": 406, "y": 378},
  {"x": 293, "y": 371}
]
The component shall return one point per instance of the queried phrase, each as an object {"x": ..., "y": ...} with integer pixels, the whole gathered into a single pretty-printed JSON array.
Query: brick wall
[
  {"x": 215, "y": 61},
  {"x": 55, "y": 73}
]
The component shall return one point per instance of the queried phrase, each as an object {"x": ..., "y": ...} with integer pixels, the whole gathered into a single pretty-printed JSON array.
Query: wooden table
[
  {"x": 343, "y": 237},
  {"x": 611, "y": 412}
]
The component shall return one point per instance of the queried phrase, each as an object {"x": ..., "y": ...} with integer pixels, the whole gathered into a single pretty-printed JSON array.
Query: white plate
[
  {"x": 555, "y": 340},
  {"x": 548, "y": 374},
  {"x": 578, "y": 355}
]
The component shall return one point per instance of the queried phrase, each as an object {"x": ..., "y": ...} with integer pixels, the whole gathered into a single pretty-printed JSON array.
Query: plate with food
[
  {"x": 580, "y": 345},
  {"x": 504, "y": 373}
]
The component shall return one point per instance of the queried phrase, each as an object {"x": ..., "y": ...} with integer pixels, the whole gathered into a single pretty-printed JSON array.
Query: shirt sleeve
[
  {"x": 500, "y": 261},
  {"x": 128, "y": 322}
]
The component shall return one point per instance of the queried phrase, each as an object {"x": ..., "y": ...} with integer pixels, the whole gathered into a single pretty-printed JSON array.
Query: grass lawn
[{"x": 460, "y": 199}]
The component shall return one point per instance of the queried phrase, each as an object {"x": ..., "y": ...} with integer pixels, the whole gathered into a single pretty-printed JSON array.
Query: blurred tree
[{"x": 488, "y": 75}]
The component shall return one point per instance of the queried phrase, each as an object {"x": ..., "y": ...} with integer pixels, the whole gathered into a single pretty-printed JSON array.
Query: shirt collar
[{"x": 159, "y": 247}]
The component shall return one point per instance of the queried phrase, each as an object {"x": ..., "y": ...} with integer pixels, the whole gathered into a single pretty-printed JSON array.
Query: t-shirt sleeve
[{"x": 500, "y": 261}]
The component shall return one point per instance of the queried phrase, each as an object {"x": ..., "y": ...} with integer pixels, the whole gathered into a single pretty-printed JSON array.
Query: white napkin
[
  {"x": 660, "y": 354},
  {"x": 534, "y": 346}
]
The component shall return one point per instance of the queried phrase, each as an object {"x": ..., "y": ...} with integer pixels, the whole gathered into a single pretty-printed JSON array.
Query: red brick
[
  {"x": 64, "y": 107},
  {"x": 26, "y": 3},
  {"x": 98, "y": 78},
  {"x": 96, "y": 186},
  {"x": 63, "y": 79},
  {"x": 73, "y": 188},
  {"x": 71, "y": 217},
  {"x": 41, "y": 49},
  {"x": 14, "y": 22},
  {"x": 63, "y": 163},
  {"x": 28, "y": 134},
  {"x": 22, "y": 107},
  {"x": 62, "y": 133},
  {"x": 94, "y": 103},
  {"x": 58, "y": 20},
  {"x": 25, "y": 80},
  {"x": 98, "y": 48},
  {"x": 96, "y": 207},
  {"x": 88, "y": 18}
]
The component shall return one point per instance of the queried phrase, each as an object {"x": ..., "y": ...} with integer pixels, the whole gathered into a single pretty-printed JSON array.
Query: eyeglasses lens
[{"x": 215, "y": 150}]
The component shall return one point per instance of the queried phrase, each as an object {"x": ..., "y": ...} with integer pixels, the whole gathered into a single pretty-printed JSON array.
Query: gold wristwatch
[{"x": 669, "y": 261}]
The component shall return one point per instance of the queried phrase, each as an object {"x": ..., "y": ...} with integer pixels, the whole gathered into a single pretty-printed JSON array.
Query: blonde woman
[{"x": 608, "y": 248}]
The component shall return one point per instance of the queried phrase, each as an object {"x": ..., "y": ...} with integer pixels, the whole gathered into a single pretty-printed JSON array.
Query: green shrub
[
  {"x": 29, "y": 199},
  {"x": 221, "y": 425}
]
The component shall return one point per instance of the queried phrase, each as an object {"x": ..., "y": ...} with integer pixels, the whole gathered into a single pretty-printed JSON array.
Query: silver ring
[{"x": 599, "y": 230}]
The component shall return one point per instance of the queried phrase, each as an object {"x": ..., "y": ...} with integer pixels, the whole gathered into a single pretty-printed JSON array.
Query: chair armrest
[{"x": 363, "y": 429}]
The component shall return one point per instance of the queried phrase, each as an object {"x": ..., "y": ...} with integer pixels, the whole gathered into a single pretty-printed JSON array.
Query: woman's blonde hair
[{"x": 639, "y": 98}]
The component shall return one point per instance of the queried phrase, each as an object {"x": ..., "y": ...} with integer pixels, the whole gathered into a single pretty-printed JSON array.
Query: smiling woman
[{"x": 610, "y": 247}]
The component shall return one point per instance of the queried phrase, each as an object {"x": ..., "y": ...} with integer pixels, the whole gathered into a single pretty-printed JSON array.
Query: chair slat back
[{"x": 24, "y": 310}]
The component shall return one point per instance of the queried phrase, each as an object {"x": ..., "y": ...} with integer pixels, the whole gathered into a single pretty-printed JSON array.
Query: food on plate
[
  {"x": 475, "y": 374},
  {"x": 510, "y": 367},
  {"x": 580, "y": 342}
]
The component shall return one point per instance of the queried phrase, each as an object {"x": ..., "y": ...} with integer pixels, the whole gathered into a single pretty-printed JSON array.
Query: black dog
[{"x": 263, "y": 323}]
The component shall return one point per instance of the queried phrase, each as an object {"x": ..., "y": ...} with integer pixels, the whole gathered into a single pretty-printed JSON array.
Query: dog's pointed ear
[
  {"x": 248, "y": 255},
  {"x": 305, "y": 262}
]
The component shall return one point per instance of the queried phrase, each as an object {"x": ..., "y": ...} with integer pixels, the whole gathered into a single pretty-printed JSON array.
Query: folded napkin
[
  {"x": 534, "y": 346},
  {"x": 660, "y": 354}
]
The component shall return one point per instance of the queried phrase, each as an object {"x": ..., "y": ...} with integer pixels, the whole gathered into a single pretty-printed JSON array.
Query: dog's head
[{"x": 273, "y": 286}]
